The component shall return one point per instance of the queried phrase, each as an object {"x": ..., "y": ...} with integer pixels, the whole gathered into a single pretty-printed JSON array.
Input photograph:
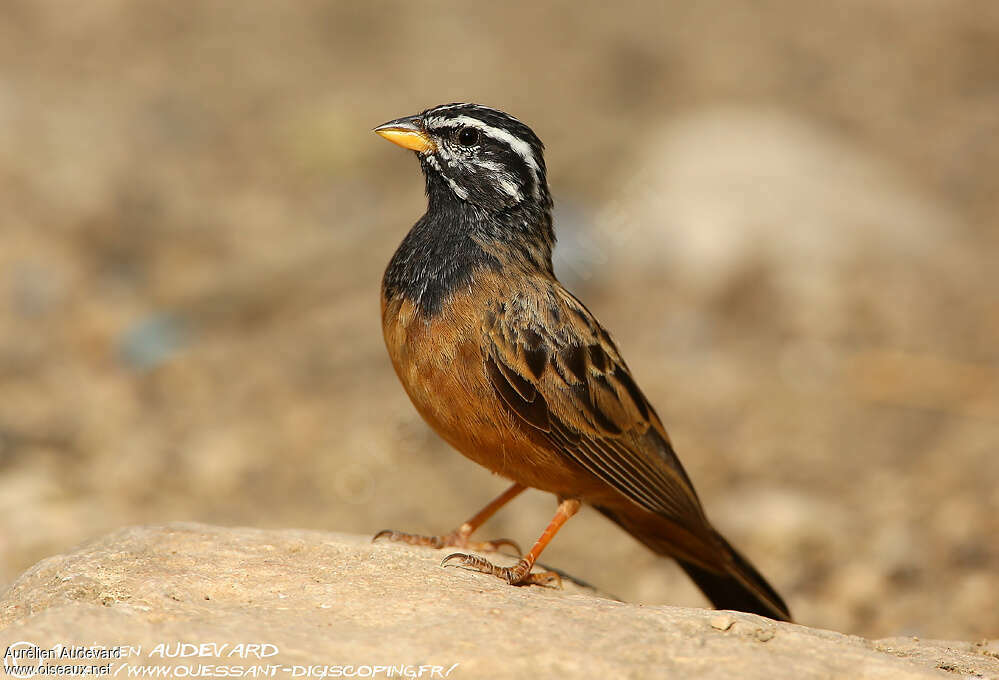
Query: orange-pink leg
[
  {"x": 459, "y": 537},
  {"x": 520, "y": 573}
]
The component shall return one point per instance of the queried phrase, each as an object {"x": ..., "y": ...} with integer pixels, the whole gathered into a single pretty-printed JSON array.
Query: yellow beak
[{"x": 407, "y": 133}]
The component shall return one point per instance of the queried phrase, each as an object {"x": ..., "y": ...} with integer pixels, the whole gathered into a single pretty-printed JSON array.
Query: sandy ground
[{"x": 785, "y": 213}]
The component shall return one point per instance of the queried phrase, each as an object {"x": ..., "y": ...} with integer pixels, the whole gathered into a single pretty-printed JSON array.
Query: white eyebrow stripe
[
  {"x": 518, "y": 145},
  {"x": 448, "y": 107}
]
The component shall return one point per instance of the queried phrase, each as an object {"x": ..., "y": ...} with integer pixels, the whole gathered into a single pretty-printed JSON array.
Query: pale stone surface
[{"x": 330, "y": 599}]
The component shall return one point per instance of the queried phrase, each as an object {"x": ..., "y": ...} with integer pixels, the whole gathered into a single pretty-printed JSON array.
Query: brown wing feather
[{"x": 554, "y": 366}]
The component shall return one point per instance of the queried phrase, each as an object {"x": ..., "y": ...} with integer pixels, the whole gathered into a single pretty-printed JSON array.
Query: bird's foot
[
  {"x": 517, "y": 575},
  {"x": 455, "y": 539}
]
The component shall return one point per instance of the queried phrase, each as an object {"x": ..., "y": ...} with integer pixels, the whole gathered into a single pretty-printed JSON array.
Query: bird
[{"x": 514, "y": 372}]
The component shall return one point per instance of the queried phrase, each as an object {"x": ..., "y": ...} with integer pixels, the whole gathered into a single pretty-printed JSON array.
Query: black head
[
  {"x": 488, "y": 202},
  {"x": 476, "y": 155}
]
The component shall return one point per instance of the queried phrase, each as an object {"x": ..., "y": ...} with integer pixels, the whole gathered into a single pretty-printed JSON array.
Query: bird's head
[{"x": 477, "y": 155}]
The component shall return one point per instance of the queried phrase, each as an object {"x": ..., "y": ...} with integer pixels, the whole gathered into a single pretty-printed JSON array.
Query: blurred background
[{"x": 785, "y": 212}]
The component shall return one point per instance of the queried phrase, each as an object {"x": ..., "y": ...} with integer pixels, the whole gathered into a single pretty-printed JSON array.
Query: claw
[
  {"x": 411, "y": 539},
  {"x": 455, "y": 539},
  {"x": 461, "y": 556},
  {"x": 518, "y": 575},
  {"x": 381, "y": 534},
  {"x": 476, "y": 563}
]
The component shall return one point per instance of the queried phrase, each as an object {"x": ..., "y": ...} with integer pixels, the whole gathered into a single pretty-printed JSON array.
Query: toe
[
  {"x": 466, "y": 561},
  {"x": 547, "y": 579}
]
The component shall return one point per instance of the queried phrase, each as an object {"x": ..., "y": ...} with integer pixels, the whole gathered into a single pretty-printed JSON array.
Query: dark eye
[{"x": 467, "y": 136}]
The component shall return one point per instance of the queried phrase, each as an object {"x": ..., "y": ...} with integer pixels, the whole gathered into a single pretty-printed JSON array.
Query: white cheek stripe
[
  {"x": 518, "y": 145},
  {"x": 504, "y": 179},
  {"x": 455, "y": 187},
  {"x": 510, "y": 188}
]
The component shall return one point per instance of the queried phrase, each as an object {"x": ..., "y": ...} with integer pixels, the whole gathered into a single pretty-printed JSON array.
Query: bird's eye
[{"x": 467, "y": 136}]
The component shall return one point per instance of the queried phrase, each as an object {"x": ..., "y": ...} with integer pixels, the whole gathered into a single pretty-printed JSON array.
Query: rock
[{"x": 194, "y": 596}]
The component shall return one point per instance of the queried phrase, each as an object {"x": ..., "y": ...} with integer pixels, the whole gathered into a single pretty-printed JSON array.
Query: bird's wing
[{"x": 557, "y": 369}]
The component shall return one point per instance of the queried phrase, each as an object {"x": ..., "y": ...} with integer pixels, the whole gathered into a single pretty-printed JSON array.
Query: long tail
[
  {"x": 741, "y": 588},
  {"x": 737, "y": 585}
]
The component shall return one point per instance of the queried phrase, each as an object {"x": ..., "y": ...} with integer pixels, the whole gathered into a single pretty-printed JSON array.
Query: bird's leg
[
  {"x": 459, "y": 537},
  {"x": 520, "y": 574}
]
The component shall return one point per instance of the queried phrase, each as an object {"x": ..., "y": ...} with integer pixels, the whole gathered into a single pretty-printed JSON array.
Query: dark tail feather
[{"x": 742, "y": 589}]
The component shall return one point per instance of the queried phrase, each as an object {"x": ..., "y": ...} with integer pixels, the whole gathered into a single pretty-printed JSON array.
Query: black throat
[
  {"x": 437, "y": 256},
  {"x": 455, "y": 239}
]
